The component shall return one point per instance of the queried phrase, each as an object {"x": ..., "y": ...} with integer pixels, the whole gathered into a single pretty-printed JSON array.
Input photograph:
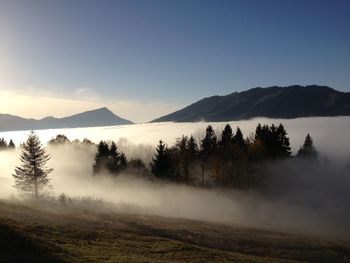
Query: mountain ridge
[
  {"x": 92, "y": 118},
  {"x": 271, "y": 102}
]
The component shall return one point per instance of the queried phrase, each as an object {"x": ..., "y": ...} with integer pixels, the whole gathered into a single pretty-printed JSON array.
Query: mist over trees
[
  {"x": 227, "y": 159},
  {"x": 6, "y": 146},
  {"x": 224, "y": 159},
  {"x": 307, "y": 149}
]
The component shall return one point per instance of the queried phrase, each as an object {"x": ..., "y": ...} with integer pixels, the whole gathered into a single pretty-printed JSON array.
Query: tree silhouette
[
  {"x": 11, "y": 145},
  {"x": 3, "y": 144},
  {"x": 284, "y": 149},
  {"x": 208, "y": 147},
  {"x": 161, "y": 163},
  {"x": 192, "y": 151},
  {"x": 109, "y": 158},
  {"x": 238, "y": 139},
  {"x": 113, "y": 159},
  {"x": 32, "y": 175},
  {"x": 123, "y": 161},
  {"x": 209, "y": 142},
  {"x": 307, "y": 149},
  {"x": 274, "y": 139},
  {"x": 226, "y": 136},
  {"x": 60, "y": 139}
]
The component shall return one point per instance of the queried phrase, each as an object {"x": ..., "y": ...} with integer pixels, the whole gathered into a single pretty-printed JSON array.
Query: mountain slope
[
  {"x": 93, "y": 118},
  {"x": 272, "y": 102}
]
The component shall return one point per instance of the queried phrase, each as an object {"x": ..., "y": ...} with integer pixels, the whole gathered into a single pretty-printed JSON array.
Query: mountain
[
  {"x": 93, "y": 118},
  {"x": 272, "y": 102}
]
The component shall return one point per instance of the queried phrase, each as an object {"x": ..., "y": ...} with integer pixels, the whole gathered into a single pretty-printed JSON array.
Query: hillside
[
  {"x": 272, "y": 102},
  {"x": 59, "y": 234},
  {"x": 93, "y": 118}
]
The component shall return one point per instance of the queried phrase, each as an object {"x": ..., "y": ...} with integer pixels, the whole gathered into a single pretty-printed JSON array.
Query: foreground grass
[{"x": 34, "y": 234}]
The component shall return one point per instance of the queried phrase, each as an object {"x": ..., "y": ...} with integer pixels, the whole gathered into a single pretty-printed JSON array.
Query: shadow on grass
[{"x": 15, "y": 246}]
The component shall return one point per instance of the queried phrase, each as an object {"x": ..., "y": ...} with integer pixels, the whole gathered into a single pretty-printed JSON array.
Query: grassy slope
[{"x": 44, "y": 235}]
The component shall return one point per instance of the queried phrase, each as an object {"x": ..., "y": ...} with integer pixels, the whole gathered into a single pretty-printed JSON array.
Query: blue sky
[{"x": 161, "y": 55}]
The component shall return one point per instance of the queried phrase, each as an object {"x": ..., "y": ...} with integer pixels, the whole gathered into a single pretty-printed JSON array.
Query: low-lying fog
[{"x": 300, "y": 196}]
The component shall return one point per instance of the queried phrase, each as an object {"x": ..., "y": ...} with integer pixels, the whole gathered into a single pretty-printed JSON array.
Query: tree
[
  {"x": 239, "y": 140},
  {"x": 307, "y": 149},
  {"x": 138, "y": 167},
  {"x": 109, "y": 158},
  {"x": 226, "y": 136},
  {"x": 208, "y": 147},
  {"x": 274, "y": 139},
  {"x": 101, "y": 157},
  {"x": 60, "y": 139},
  {"x": 3, "y": 144},
  {"x": 284, "y": 149},
  {"x": 182, "y": 151},
  {"x": 123, "y": 161},
  {"x": 32, "y": 175},
  {"x": 192, "y": 151},
  {"x": 11, "y": 145},
  {"x": 161, "y": 163},
  {"x": 113, "y": 159}
]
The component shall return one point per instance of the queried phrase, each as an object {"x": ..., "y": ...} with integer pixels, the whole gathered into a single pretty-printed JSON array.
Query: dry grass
[{"x": 33, "y": 234}]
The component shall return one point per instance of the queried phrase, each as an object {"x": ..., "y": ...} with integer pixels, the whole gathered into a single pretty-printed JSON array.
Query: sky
[{"x": 144, "y": 59}]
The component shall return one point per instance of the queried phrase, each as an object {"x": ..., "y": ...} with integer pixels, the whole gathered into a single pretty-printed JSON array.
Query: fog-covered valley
[{"x": 299, "y": 196}]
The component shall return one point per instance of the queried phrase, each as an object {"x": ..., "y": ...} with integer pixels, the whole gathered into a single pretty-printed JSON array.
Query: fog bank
[
  {"x": 299, "y": 196},
  {"x": 330, "y": 134}
]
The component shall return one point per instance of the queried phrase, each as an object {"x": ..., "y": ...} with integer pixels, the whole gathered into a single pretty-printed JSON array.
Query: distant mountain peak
[
  {"x": 92, "y": 118},
  {"x": 272, "y": 102}
]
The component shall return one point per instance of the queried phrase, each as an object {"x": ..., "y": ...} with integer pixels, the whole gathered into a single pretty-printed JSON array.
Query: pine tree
[
  {"x": 308, "y": 149},
  {"x": 113, "y": 157},
  {"x": 209, "y": 143},
  {"x": 11, "y": 145},
  {"x": 109, "y": 158},
  {"x": 101, "y": 158},
  {"x": 192, "y": 148},
  {"x": 60, "y": 139},
  {"x": 226, "y": 136},
  {"x": 32, "y": 176},
  {"x": 123, "y": 161},
  {"x": 3, "y": 144},
  {"x": 208, "y": 148},
  {"x": 192, "y": 151},
  {"x": 238, "y": 139},
  {"x": 161, "y": 163},
  {"x": 283, "y": 142},
  {"x": 182, "y": 156}
]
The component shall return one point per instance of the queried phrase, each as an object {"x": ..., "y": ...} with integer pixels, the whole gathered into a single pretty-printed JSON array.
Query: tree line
[
  {"x": 226, "y": 159},
  {"x": 6, "y": 146}
]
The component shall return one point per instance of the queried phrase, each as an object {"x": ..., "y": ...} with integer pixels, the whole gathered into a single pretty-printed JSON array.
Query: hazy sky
[{"x": 147, "y": 58}]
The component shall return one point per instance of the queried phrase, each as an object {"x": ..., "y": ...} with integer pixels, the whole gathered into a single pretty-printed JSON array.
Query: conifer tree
[
  {"x": 208, "y": 148},
  {"x": 101, "y": 158},
  {"x": 123, "y": 161},
  {"x": 161, "y": 163},
  {"x": 209, "y": 143},
  {"x": 109, "y": 158},
  {"x": 192, "y": 151},
  {"x": 307, "y": 149},
  {"x": 32, "y": 176},
  {"x": 113, "y": 158},
  {"x": 283, "y": 142},
  {"x": 3, "y": 144},
  {"x": 11, "y": 145},
  {"x": 238, "y": 139},
  {"x": 226, "y": 136},
  {"x": 192, "y": 148}
]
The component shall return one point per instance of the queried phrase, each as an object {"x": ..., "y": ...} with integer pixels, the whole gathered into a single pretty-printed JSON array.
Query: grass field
[{"x": 36, "y": 234}]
